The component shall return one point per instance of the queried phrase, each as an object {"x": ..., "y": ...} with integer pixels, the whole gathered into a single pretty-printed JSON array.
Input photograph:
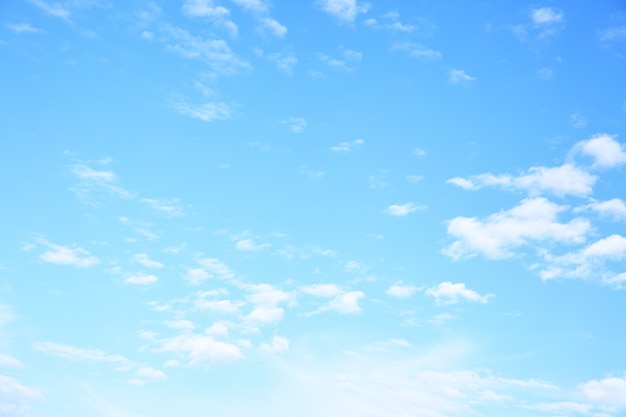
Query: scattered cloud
[
  {"x": 16, "y": 399},
  {"x": 141, "y": 279},
  {"x": 605, "y": 151},
  {"x": 449, "y": 293},
  {"x": 343, "y": 10},
  {"x": 201, "y": 350},
  {"x": 7, "y": 361},
  {"x": 400, "y": 290},
  {"x": 459, "y": 77},
  {"x": 22, "y": 27},
  {"x": 284, "y": 63},
  {"x": 414, "y": 179},
  {"x": 216, "y": 267},
  {"x": 63, "y": 255},
  {"x": 533, "y": 220},
  {"x": 347, "y": 63},
  {"x": 249, "y": 245},
  {"x": 578, "y": 121},
  {"x": 418, "y": 51},
  {"x": 144, "y": 259},
  {"x": 546, "y": 16},
  {"x": 564, "y": 180},
  {"x": 313, "y": 174},
  {"x": 614, "y": 34},
  {"x": 82, "y": 355},
  {"x": 614, "y": 208},
  {"x": 418, "y": 152},
  {"x": 403, "y": 209},
  {"x": 295, "y": 124},
  {"x": 609, "y": 394},
  {"x": 390, "y": 21},
  {"x": 348, "y": 146},
  {"x": 170, "y": 207},
  {"x": 206, "y": 112},
  {"x": 55, "y": 9},
  {"x": 265, "y": 315},
  {"x": 206, "y": 9},
  {"x": 346, "y": 303},
  {"x": 322, "y": 290},
  {"x": 278, "y": 345},
  {"x": 274, "y": 27}
]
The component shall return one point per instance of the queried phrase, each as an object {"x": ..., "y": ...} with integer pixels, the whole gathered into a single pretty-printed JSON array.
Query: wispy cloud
[
  {"x": 295, "y": 124},
  {"x": 400, "y": 210},
  {"x": 284, "y": 63},
  {"x": 401, "y": 290},
  {"x": 63, "y": 255},
  {"x": 22, "y": 27},
  {"x": 206, "y": 9},
  {"x": 459, "y": 77},
  {"x": 349, "y": 60},
  {"x": 141, "y": 279},
  {"x": 419, "y": 51},
  {"x": 348, "y": 146},
  {"x": 207, "y": 112},
  {"x": 343, "y": 10},
  {"x": 53, "y": 9},
  {"x": 449, "y": 293}
]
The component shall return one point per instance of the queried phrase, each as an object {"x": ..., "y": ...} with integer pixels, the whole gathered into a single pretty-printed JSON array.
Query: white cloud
[
  {"x": 348, "y": 146},
  {"x": 16, "y": 399},
  {"x": 348, "y": 62},
  {"x": 614, "y": 208},
  {"x": 249, "y": 245},
  {"x": 578, "y": 121},
  {"x": 608, "y": 393},
  {"x": 183, "y": 325},
  {"x": 63, "y": 255},
  {"x": 278, "y": 345},
  {"x": 564, "y": 180},
  {"x": 612, "y": 247},
  {"x": 201, "y": 349},
  {"x": 400, "y": 290},
  {"x": 206, "y": 112},
  {"x": 144, "y": 259},
  {"x": 150, "y": 373},
  {"x": 459, "y": 77},
  {"x": 258, "y": 6},
  {"x": 390, "y": 22},
  {"x": 55, "y": 9},
  {"x": 346, "y": 303},
  {"x": 83, "y": 355},
  {"x": 220, "y": 306},
  {"x": 403, "y": 209},
  {"x": 295, "y": 124},
  {"x": 563, "y": 407},
  {"x": 604, "y": 149},
  {"x": 343, "y": 10},
  {"x": 141, "y": 279},
  {"x": 322, "y": 290},
  {"x": 546, "y": 16},
  {"x": 170, "y": 207},
  {"x": 274, "y": 27},
  {"x": 416, "y": 50},
  {"x": 214, "y": 52},
  {"x": 285, "y": 63},
  {"x": 613, "y": 34},
  {"x": 533, "y": 220},
  {"x": 86, "y": 173},
  {"x": 7, "y": 361},
  {"x": 268, "y": 296},
  {"x": 22, "y": 28},
  {"x": 266, "y": 315},
  {"x": 449, "y": 293},
  {"x": 215, "y": 266},
  {"x": 418, "y": 152},
  {"x": 206, "y": 9},
  {"x": 196, "y": 276}
]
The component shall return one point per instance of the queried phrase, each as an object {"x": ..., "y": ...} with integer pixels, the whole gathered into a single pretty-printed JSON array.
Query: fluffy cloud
[
  {"x": 63, "y": 255},
  {"x": 564, "y": 180},
  {"x": 608, "y": 393},
  {"x": 400, "y": 290},
  {"x": 459, "y": 77},
  {"x": 603, "y": 149},
  {"x": 348, "y": 146},
  {"x": 265, "y": 315},
  {"x": 614, "y": 208},
  {"x": 141, "y": 279},
  {"x": 144, "y": 259},
  {"x": 295, "y": 124},
  {"x": 7, "y": 361},
  {"x": 400, "y": 210},
  {"x": 196, "y": 276},
  {"x": 206, "y": 112},
  {"x": 343, "y": 10},
  {"x": 346, "y": 303},
  {"x": 322, "y": 290},
  {"x": 206, "y": 9},
  {"x": 449, "y": 293},
  {"x": 15, "y": 398},
  {"x": 418, "y": 51},
  {"x": 216, "y": 267},
  {"x": 546, "y": 16},
  {"x": 533, "y": 220},
  {"x": 278, "y": 345},
  {"x": 201, "y": 350},
  {"x": 249, "y": 245}
]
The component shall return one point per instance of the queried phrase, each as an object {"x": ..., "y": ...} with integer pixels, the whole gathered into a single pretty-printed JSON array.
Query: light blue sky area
[{"x": 312, "y": 208}]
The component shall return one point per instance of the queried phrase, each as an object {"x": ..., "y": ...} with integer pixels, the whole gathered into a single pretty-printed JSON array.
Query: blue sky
[{"x": 313, "y": 208}]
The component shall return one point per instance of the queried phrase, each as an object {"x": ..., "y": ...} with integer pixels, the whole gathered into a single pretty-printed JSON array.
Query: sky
[{"x": 312, "y": 208}]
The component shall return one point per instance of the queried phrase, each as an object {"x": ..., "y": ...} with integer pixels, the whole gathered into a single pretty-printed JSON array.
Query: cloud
[
  {"x": 533, "y": 220},
  {"x": 82, "y": 355},
  {"x": 605, "y": 151},
  {"x": 141, "y": 279},
  {"x": 7, "y": 361},
  {"x": 278, "y": 345},
  {"x": 418, "y": 51},
  {"x": 449, "y": 293},
  {"x": 614, "y": 208},
  {"x": 348, "y": 146},
  {"x": 561, "y": 181},
  {"x": 196, "y": 276},
  {"x": 311, "y": 173},
  {"x": 182, "y": 325},
  {"x": 459, "y": 77},
  {"x": 322, "y": 290},
  {"x": 546, "y": 16},
  {"x": 258, "y": 6},
  {"x": 563, "y": 408},
  {"x": 22, "y": 28},
  {"x": 144, "y": 259},
  {"x": 249, "y": 245},
  {"x": 170, "y": 207},
  {"x": 390, "y": 22},
  {"x": 346, "y": 303},
  {"x": 274, "y": 27},
  {"x": 295, "y": 124},
  {"x": 578, "y": 121},
  {"x": 206, "y": 112},
  {"x": 206, "y": 9},
  {"x": 609, "y": 393},
  {"x": 214, "y": 52},
  {"x": 400, "y": 290},
  {"x": 150, "y": 373},
  {"x": 216, "y": 267},
  {"x": 348, "y": 62},
  {"x": 16, "y": 399},
  {"x": 219, "y": 306},
  {"x": 63, "y": 255},
  {"x": 84, "y": 172},
  {"x": 418, "y": 152},
  {"x": 55, "y": 9},
  {"x": 343, "y": 10},
  {"x": 285, "y": 63},
  {"x": 400, "y": 210},
  {"x": 613, "y": 34},
  {"x": 266, "y": 315},
  {"x": 201, "y": 349}
]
